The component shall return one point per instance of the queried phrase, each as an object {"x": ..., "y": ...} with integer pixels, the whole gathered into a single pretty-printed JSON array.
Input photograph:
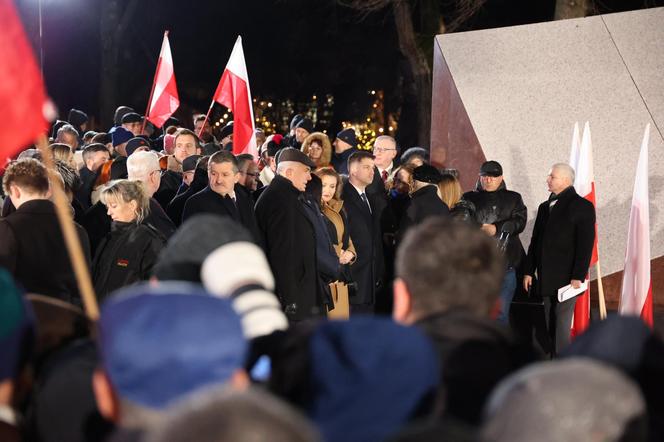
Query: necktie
[
  {"x": 231, "y": 203},
  {"x": 364, "y": 199},
  {"x": 384, "y": 176}
]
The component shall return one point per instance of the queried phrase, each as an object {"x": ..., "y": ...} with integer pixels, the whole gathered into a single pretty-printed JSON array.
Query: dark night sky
[{"x": 294, "y": 48}]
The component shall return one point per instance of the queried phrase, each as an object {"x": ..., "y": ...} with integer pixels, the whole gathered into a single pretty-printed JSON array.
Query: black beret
[
  {"x": 292, "y": 154},
  {"x": 190, "y": 162},
  {"x": 491, "y": 168},
  {"x": 426, "y": 173},
  {"x": 306, "y": 124},
  {"x": 131, "y": 117}
]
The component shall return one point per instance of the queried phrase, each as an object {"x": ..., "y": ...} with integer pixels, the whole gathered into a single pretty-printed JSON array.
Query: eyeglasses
[{"x": 382, "y": 149}]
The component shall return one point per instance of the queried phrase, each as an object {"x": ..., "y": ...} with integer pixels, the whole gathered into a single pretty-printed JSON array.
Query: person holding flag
[{"x": 560, "y": 250}]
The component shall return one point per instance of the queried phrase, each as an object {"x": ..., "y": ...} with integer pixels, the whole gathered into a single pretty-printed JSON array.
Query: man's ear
[
  {"x": 14, "y": 191},
  {"x": 402, "y": 308},
  {"x": 240, "y": 380},
  {"x": 107, "y": 401}
]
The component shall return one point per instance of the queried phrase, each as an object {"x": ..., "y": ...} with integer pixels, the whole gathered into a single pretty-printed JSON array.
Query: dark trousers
[{"x": 558, "y": 317}]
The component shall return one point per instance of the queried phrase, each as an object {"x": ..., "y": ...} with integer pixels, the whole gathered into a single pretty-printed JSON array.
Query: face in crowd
[
  {"x": 491, "y": 183},
  {"x": 249, "y": 176},
  {"x": 329, "y": 188},
  {"x": 362, "y": 171},
  {"x": 315, "y": 151},
  {"x": 384, "y": 152},
  {"x": 299, "y": 175},
  {"x": 120, "y": 210},
  {"x": 185, "y": 146},
  {"x": 222, "y": 177}
]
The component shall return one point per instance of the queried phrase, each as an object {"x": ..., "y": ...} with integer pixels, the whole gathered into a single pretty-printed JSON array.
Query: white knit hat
[{"x": 238, "y": 265}]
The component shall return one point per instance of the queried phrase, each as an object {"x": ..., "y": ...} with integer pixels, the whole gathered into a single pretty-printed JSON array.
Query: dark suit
[
  {"x": 560, "y": 251},
  {"x": 176, "y": 206},
  {"x": 364, "y": 226},
  {"x": 32, "y": 249},
  {"x": 290, "y": 244},
  {"x": 209, "y": 201}
]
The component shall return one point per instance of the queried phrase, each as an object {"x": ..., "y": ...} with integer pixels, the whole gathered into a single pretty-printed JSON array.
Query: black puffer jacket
[
  {"x": 504, "y": 209},
  {"x": 125, "y": 256}
]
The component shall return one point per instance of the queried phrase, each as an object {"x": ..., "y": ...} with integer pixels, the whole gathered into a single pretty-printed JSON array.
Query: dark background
[{"x": 294, "y": 49}]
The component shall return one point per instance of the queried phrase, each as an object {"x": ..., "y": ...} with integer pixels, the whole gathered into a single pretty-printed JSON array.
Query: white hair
[
  {"x": 566, "y": 170},
  {"x": 283, "y": 166},
  {"x": 386, "y": 138},
  {"x": 141, "y": 164}
]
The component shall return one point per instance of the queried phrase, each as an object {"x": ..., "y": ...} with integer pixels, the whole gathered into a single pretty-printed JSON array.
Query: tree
[{"x": 413, "y": 47}]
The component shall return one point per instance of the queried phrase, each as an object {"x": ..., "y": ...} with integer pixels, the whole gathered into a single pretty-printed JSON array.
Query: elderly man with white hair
[
  {"x": 144, "y": 167},
  {"x": 560, "y": 251}
]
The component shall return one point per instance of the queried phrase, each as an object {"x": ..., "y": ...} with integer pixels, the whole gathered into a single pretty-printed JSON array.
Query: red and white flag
[
  {"x": 25, "y": 107},
  {"x": 636, "y": 296},
  {"x": 584, "y": 183},
  {"x": 234, "y": 93},
  {"x": 164, "y": 99}
]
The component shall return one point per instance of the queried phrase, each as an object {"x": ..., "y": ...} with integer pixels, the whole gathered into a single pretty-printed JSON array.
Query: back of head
[
  {"x": 369, "y": 370},
  {"x": 159, "y": 344},
  {"x": 28, "y": 174},
  {"x": 141, "y": 164},
  {"x": 415, "y": 152},
  {"x": 120, "y": 112},
  {"x": 450, "y": 189},
  {"x": 575, "y": 399},
  {"x": 447, "y": 265},
  {"x": 225, "y": 415}
]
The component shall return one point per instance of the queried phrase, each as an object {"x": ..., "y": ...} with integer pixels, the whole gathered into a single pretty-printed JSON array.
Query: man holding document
[{"x": 559, "y": 252}]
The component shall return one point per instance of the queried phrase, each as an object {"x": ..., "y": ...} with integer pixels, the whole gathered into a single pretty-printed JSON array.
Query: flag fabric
[
  {"x": 22, "y": 91},
  {"x": 636, "y": 295},
  {"x": 584, "y": 183},
  {"x": 164, "y": 98},
  {"x": 234, "y": 93},
  {"x": 576, "y": 145}
]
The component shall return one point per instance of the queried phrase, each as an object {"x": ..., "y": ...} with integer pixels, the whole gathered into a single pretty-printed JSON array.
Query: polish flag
[
  {"x": 584, "y": 183},
  {"x": 233, "y": 92},
  {"x": 25, "y": 107},
  {"x": 636, "y": 296},
  {"x": 164, "y": 99}
]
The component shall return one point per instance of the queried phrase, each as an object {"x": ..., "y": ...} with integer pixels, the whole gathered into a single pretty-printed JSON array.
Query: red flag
[
  {"x": 584, "y": 183},
  {"x": 233, "y": 92},
  {"x": 22, "y": 91},
  {"x": 164, "y": 99},
  {"x": 636, "y": 294}
]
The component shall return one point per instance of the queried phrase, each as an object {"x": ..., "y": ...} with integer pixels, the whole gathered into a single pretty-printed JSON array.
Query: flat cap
[
  {"x": 491, "y": 168},
  {"x": 292, "y": 154}
]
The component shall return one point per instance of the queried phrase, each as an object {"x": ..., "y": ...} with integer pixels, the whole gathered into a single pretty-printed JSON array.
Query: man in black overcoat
[
  {"x": 424, "y": 199},
  {"x": 289, "y": 237},
  {"x": 223, "y": 196},
  {"x": 364, "y": 211},
  {"x": 560, "y": 250}
]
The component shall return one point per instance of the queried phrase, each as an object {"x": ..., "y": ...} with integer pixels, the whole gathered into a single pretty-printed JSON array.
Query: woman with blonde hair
[
  {"x": 451, "y": 193},
  {"x": 317, "y": 146},
  {"x": 332, "y": 207},
  {"x": 127, "y": 254},
  {"x": 64, "y": 153}
]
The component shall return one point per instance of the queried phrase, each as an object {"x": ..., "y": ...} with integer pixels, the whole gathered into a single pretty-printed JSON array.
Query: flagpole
[
  {"x": 63, "y": 211},
  {"x": 154, "y": 83},
  {"x": 207, "y": 116},
  {"x": 600, "y": 290}
]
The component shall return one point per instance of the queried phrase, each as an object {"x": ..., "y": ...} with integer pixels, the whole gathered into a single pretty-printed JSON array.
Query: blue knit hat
[{"x": 158, "y": 344}]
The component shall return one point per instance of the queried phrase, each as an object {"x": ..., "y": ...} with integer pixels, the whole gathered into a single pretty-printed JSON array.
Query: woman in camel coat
[{"x": 332, "y": 206}]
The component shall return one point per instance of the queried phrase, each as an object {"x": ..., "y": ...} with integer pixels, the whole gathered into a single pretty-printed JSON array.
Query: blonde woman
[
  {"x": 317, "y": 146},
  {"x": 451, "y": 193},
  {"x": 127, "y": 254},
  {"x": 332, "y": 207}
]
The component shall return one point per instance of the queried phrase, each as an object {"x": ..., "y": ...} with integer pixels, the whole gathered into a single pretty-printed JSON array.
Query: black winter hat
[
  {"x": 77, "y": 118},
  {"x": 131, "y": 117},
  {"x": 226, "y": 130},
  {"x": 306, "y": 124},
  {"x": 135, "y": 143},
  {"x": 120, "y": 112},
  {"x": 427, "y": 174},
  {"x": 348, "y": 136},
  {"x": 491, "y": 168},
  {"x": 296, "y": 119}
]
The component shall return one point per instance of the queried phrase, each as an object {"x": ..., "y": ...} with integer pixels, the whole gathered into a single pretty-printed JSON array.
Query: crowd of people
[{"x": 317, "y": 292}]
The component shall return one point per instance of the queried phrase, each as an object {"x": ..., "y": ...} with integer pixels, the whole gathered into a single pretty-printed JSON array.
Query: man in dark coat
[
  {"x": 289, "y": 237},
  {"x": 364, "y": 226},
  {"x": 560, "y": 250},
  {"x": 32, "y": 246},
  {"x": 344, "y": 146},
  {"x": 501, "y": 215},
  {"x": 424, "y": 200},
  {"x": 223, "y": 196},
  {"x": 199, "y": 182}
]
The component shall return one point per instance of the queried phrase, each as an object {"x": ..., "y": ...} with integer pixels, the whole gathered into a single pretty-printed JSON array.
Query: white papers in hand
[{"x": 568, "y": 292}]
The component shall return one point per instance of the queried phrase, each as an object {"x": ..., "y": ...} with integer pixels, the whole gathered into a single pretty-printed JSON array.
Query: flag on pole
[
  {"x": 636, "y": 295},
  {"x": 576, "y": 145},
  {"x": 164, "y": 99},
  {"x": 234, "y": 93},
  {"x": 25, "y": 107},
  {"x": 584, "y": 183}
]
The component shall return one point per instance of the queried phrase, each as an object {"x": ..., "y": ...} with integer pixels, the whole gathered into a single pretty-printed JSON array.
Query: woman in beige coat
[{"x": 332, "y": 206}]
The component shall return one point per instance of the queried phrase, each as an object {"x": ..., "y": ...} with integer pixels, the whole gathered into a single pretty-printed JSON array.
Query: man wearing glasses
[
  {"x": 248, "y": 172},
  {"x": 385, "y": 150}
]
